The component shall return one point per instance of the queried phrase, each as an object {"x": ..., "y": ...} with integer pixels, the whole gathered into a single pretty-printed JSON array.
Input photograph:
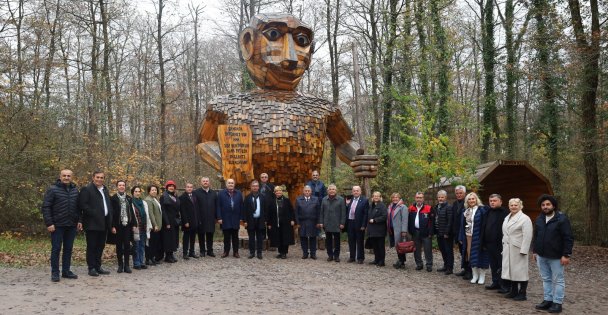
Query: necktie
[{"x": 353, "y": 206}]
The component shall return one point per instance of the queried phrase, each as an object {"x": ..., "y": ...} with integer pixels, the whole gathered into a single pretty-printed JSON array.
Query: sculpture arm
[
  {"x": 208, "y": 147},
  {"x": 341, "y": 136}
]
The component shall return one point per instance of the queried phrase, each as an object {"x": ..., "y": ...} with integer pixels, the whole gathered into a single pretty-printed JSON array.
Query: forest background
[{"x": 434, "y": 87}]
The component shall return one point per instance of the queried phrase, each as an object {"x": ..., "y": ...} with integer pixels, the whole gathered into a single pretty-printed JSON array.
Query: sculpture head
[{"x": 277, "y": 48}]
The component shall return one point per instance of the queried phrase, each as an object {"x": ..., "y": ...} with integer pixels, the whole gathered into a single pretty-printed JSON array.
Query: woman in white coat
[{"x": 516, "y": 239}]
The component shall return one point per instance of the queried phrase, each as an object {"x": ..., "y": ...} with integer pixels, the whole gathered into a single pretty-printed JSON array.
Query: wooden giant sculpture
[{"x": 288, "y": 128}]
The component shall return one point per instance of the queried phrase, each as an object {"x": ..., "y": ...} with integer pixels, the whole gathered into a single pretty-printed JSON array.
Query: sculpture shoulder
[{"x": 268, "y": 99}]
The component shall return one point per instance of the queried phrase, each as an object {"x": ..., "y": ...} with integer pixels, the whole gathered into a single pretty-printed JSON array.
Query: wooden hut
[{"x": 509, "y": 178}]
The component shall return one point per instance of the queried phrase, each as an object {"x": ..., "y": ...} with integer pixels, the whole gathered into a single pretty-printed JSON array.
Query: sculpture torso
[{"x": 288, "y": 130}]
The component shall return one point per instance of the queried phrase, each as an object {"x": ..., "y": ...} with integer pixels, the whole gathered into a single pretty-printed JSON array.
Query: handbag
[{"x": 405, "y": 246}]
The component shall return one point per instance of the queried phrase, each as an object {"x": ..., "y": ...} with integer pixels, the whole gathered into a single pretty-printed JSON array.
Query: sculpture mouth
[{"x": 283, "y": 74}]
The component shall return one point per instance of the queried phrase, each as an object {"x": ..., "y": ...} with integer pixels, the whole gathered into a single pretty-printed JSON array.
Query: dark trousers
[
  {"x": 426, "y": 244},
  {"x": 463, "y": 263},
  {"x": 447, "y": 251},
  {"x": 355, "y": 241},
  {"x": 332, "y": 244},
  {"x": 123, "y": 245},
  {"x": 378, "y": 247},
  {"x": 256, "y": 240},
  {"x": 63, "y": 235},
  {"x": 308, "y": 243},
  {"x": 176, "y": 231},
  {"x": 283, "y": 249},
  {"x": 96, "y": 242},
  {"x": 205, "y": 238},
  {"x": 495, "y": 261},
  {"x": 155, "y": 248},
  {"x": 188, "y": 239},
  {"x": 231, "y": 235}
]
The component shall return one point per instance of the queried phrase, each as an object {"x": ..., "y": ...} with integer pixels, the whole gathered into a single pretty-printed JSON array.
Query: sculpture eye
[
  {"x": 301, "y": 39},
  {"x": 273, "y": 34}
]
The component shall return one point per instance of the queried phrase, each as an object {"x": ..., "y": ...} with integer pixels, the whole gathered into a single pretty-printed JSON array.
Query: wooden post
[{"x": 359, "y": 119}]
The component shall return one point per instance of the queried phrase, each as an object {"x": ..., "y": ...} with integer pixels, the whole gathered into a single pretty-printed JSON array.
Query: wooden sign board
[{"x": 236, "y": 146}]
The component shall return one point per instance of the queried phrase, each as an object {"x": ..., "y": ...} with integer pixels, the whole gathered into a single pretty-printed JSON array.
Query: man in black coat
[
  {"x": 491, "y": 239},
  {"x": 188, "y": 209},
  {"x": 356, "y": 222},
  {"x": 266, "y": 188},
  {"x": 458, "y": 211},
  {"x": 206, "y": 198},
  {"x": 61, "y": 217},
  {"x": 255, "y": 216},
  {"x": 443, "y": 229},
  {"x": 96, "y": 219}
]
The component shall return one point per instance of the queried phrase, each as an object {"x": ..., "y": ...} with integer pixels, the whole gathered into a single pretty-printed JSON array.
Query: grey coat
[
  {"x": 307, "y": 216},
  {"x": 333, "y": 214},
  {"x": 399, "y": 220}
]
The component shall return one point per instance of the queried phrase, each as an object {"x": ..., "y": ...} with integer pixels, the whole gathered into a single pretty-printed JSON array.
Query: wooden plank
[{"x": 236, "y": 146}]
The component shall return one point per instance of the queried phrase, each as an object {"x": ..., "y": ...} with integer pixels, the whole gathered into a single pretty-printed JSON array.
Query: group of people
[{"x": 148, "y": 228}]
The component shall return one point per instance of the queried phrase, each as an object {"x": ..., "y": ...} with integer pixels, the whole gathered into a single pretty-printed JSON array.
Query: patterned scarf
[{"x": 124, "y": 219}]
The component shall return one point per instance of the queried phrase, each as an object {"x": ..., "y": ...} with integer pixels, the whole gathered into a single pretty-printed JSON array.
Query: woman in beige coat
[{"x": 516, "y": 239}]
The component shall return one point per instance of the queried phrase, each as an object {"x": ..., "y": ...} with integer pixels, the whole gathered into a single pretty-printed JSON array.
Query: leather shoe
[
  {"x": 429, "y": 269},
  {"x": 442, "y": 269},
  {"x": 224, "y": 255},
  {"x": 555, "y": 308},
  {"x": 305, "y": 256},
  {"x": 236, "y": 255},
  {"x": 69, "y": 275},
  {"x": 520, "y": 297},
  {"x": 504, "y": 290},
  {"x": 128, "y": 269},
  {"x": 460, "y": 274},
  {"x": 360, "y": 262},
  {"x": 350, "y": 260},
  {"x": 493, "y": 286},
  {"x": 330, "y": 258},
  {"x": 210, "y": 254},
  {"x": 260, "y": 256},
  {"x": 55, "y": 277},
  {"x": 137, "y": 267},
  {"x": 93, "y": 273},
  {"x": 448, "y": 272},
  {"x": 193, "y": 255},
  {"x": 251, "y": 256},
  {"x": 280, "y": 256},
  {"x": 283, "y": 256},
  {"x": 120, "y": 269},
  {"x": 185, "y": 256},
  {"x": 144, "y": 267},
  {"x": 313, "y": 256},
  {"x": 380, "y": 264},
  {"x": 544, "y": 305},
  {"x": 337, "y": 259},
  {"x": 102, "y": 271},
  {"x": 419, "y": 267},
  {"x": 373, "y": 262}
]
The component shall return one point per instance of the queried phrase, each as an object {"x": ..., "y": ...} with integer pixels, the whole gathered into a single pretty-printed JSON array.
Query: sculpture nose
[{"x": 290, "y": 59}]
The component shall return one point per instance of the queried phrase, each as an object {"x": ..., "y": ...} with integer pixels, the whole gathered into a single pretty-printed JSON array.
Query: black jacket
[
  {"x": 443, "y": 219},
  {"x": 457, "y": 211},
  {"x": 491, "y": 228},
  {"x": 90, "y": 202},
  {"x": 553, "y": 239},
  {"x": 131, "y": 222},
  {"x": 188, "y": 211},
  {"x": 249, "y": 210},
  {"x": 170, "y": 209},
  {"x": 207, "y": 205},
  {"x": 379, "y": 213},
  {"x": 60, "y": 205}
]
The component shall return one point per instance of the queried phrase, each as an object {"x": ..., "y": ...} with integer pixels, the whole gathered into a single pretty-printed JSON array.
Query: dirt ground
[{"x": 275, "y": 286}]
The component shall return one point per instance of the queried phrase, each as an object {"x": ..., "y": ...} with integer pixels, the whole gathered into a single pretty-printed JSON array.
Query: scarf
[
  {"x": 141, "y": 211},
  {"x": 392, "y": 210},
  {"x": 124, "y": 219}
]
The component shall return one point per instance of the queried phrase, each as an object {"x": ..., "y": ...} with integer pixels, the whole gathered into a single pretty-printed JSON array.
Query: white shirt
[
  {"x": 103, "y": 196},
  {"x": 548, "y": 218},
  {"x": 256, "y": 214},
  {"x": 417, "y": 221}
]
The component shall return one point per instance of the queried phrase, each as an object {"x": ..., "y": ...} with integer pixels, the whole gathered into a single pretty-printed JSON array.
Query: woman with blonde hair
[
  {"x": 470, "y": 238},
  {"x": 516, "y": 239}
]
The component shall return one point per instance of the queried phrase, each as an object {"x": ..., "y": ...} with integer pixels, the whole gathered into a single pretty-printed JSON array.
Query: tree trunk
[
  {"x": 373, "y": 20},
  {"x": 443, "y": 59},
  {"x": 490, "y": 130},
  {"x": 107, "y": 94},
  {"x": 163, "y": 97}
]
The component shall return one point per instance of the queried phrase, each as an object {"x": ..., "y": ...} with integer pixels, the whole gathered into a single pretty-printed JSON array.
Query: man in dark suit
[
  {"x": 356, "y": 222},
  {"x": 188, "y": 208},
  {"x": 229, "y": 214},
  {"x": 96, "y": 217},
  {"x": 206, "y": 198},
  {"x": 266, "y": 188},
  {"x": 255, "y": 217},
  {"x": 491, "y": 240}
]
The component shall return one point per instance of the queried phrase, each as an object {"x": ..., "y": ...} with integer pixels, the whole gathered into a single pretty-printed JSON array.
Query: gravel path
[{"x": 275, "y": 286}]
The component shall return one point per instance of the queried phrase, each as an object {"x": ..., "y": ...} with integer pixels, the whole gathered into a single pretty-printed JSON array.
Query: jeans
[
  {"x": 63, "y": 235},
  {"x": 552, "y": 273},
  {"x": 140, "y": 250},
  {"x": 309, "y": 242},
  {"x": 447, "y": 251}
]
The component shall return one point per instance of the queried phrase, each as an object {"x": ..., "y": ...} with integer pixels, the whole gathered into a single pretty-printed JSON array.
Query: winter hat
[
  {"x": 169, "y": 183},
  {"x": 551, "y": 199}
]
